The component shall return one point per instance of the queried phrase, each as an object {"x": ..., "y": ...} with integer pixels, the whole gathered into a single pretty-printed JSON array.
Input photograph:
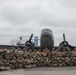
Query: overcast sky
[{"x": 23, "y": 17}]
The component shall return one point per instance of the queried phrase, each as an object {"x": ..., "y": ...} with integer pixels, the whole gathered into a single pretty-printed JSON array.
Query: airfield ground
[{"x": 42, "y": 71}]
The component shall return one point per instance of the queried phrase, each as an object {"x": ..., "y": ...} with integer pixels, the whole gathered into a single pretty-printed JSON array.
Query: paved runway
[{"x": 42, "y": 71}]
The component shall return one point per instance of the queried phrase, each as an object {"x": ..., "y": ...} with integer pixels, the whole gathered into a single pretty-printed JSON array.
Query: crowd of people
[{"x": 18, "y": 59}]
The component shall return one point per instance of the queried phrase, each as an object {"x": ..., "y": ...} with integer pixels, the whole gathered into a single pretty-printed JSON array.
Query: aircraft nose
[{"x": 45, "y": 34}]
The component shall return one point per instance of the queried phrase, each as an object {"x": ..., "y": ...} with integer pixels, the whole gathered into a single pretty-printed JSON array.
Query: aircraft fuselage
[{"x": 47, "y": 39}]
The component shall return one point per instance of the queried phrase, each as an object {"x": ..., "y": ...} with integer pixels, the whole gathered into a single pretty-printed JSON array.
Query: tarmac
[{"x": 42, "y": 71}]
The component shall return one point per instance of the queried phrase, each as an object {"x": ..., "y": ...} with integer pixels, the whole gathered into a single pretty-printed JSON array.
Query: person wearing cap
[
  {"x": 54, "y": 61},
  {"x": 7, "y": 63},
  {"x": 74, "y": 61},
  {"x": 28, "y": 62},
  {"x": 68, "y": 61},
  {"x": 13, "y": 63},
  {"x": 74, "y": 51},
  {"x": 20, "y": 60},
  {"x": 2, "y": 67},
  {"x": 58, "y": 53}
]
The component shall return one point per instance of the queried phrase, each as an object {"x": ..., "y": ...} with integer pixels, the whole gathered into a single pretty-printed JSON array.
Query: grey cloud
[
  {"x": 30, "y": 13},
  {"x": 71, "y": 4},
  {"x": 23, "y": 17}
]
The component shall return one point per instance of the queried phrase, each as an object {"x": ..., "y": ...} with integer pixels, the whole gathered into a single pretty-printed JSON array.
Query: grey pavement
[{"x": 42, "y": 71}]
